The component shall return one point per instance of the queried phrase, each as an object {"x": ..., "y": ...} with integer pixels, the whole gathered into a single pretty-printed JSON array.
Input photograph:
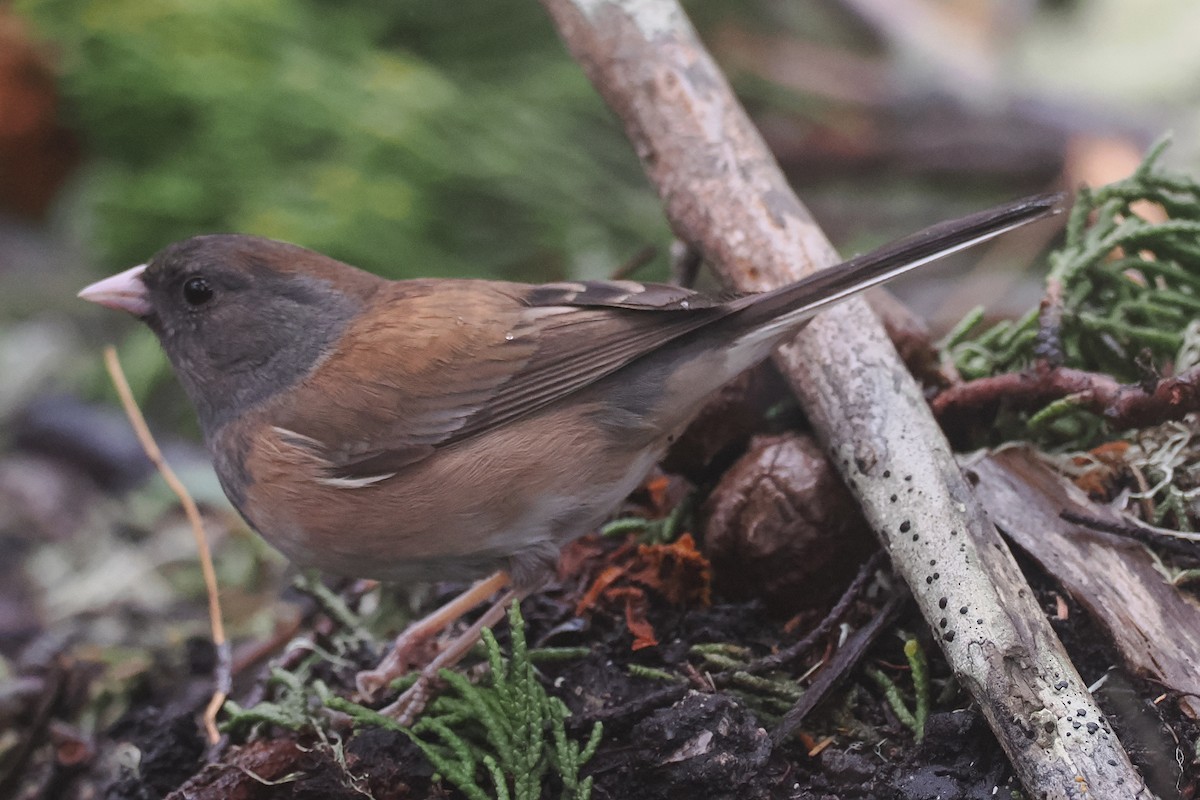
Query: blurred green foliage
[{"x": 414, "y": 138}]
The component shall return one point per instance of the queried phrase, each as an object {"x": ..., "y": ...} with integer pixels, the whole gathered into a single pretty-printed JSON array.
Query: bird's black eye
[{"x": 196, "y": 291}]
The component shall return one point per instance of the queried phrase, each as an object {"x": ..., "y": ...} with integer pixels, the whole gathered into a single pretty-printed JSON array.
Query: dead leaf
[{"x": 677, "y": 572}]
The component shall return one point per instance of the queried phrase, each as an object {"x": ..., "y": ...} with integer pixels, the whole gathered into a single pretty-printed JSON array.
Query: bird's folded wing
[{"x": 448, "y": 360}]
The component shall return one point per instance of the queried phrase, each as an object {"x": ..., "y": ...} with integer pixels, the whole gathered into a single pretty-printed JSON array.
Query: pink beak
[{"x": 123, "y": 292}]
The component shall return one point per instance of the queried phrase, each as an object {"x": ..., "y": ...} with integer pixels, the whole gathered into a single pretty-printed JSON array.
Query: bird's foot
[
  {"x": 405, "y": 655},
  {"x": 412, "y": 701},
  {"x": 411, "y": 646}
]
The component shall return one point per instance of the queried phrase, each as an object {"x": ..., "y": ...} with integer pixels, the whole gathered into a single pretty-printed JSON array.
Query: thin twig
[
  {"x": 792, "y": 652},
  {"x": 223, "y": 668},
  {"x": 1122, "y": 405},
  {"x": 1180, "y": 544},
  {"x": 847, "y": 657}
]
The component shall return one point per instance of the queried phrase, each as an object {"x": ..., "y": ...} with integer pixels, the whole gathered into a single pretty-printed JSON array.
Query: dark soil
[{"x": 702, "y": 744}]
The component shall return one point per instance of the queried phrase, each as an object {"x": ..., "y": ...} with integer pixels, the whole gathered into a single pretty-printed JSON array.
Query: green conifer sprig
[
  {"x": 505, "y": 733},
  {"x": 508, "y": 725},
  {"x": 1129, "y": 285}
]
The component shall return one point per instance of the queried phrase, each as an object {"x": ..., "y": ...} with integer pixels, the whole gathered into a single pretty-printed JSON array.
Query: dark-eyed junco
[{"x": 432, "y": 429}]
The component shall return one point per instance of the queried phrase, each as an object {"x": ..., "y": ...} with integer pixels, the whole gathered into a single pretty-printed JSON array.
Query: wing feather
[{"x": 442, "y": 361}]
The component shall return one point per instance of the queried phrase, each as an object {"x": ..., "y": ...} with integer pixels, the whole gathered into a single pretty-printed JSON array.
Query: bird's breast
[{"x": 507, "y": 498}]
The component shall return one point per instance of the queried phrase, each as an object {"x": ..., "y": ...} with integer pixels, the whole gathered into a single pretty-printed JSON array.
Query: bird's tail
[{"x": 772, "y": 314}]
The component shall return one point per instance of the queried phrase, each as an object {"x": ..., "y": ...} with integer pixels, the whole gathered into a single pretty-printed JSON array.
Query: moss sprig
[
  {"x": 769, "y": 695},
  {"x": 502, "y": 738},
  {"x": 918, "y": 665},
  {"x": 291, "y": 709},
  {"x": 1130, "y": 284},
  {"x": 656, "y": 531}
]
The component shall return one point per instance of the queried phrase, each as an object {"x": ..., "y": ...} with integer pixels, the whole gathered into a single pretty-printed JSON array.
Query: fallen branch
[{"x": 724, "y": 195}]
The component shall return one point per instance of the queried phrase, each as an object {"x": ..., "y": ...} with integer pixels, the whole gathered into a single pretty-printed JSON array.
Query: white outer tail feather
[{"x": 779, "y": 327}]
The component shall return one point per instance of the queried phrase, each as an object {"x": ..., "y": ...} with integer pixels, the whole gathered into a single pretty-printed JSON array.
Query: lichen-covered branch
[{"x": 724, "y": 195}]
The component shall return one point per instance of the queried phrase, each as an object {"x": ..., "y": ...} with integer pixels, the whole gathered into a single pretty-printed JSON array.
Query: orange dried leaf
[
  {"x": 599, "y": 588},
  {"x": 1095, "y": 482},
  {"x": 658, "y": 488},
  {"x": 582, "y": 556},
  {"x": 1104, "y": 465},
  {"x": 1111, "y": 452},
  {"x": 639, "y": 626},
  {"x": 676, "y": 570}
]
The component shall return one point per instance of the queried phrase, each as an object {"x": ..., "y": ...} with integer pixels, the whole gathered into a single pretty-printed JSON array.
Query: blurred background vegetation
[{"x": 376, "y": 133}]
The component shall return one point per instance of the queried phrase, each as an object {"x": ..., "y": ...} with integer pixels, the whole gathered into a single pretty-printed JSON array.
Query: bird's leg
[
  {"x": 399, "y": 660},
  {"x": 412, "y": 702}
]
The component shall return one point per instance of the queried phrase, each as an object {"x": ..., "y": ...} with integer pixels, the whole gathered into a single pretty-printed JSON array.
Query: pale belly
[{"x": 508, "y": 501}]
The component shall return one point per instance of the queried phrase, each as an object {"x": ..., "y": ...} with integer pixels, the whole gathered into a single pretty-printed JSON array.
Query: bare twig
[
  {"x": 1186, "y": 545},
  {"x": 1048, "y": 347},
  {"x": 793, "y": 651},
  {"x": 724, "y": 194},
  {"x": 847, "y": 657},
  {"x": 223, "y": 669},
  {"x": 1122, "y": 405},
  {"x": 912, "y": 339}
]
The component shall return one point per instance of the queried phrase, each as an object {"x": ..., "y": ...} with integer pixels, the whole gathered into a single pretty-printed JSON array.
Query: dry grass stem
[{"x": 113, "y": 364}]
